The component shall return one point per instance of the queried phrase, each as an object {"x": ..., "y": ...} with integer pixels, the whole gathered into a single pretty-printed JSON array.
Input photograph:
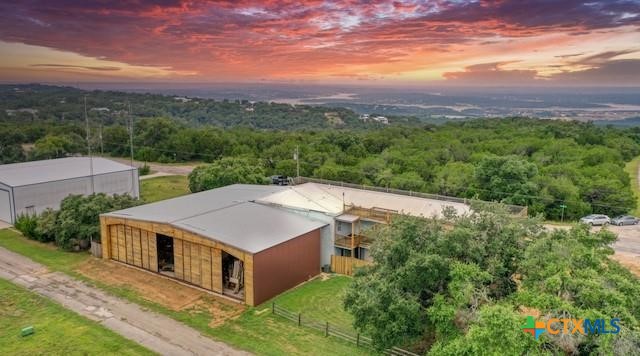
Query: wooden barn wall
[
  {"x": 286, "y": 265},
  {"x": 197, "y": 260}
]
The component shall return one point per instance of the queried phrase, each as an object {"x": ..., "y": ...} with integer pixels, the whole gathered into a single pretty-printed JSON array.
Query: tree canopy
[
  {"x": 466, "y": 287},
  {"x": 226, "y": 171}
]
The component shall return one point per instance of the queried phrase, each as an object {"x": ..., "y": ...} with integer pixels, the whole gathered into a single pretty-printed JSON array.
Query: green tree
[
  {"x": 508, "y": 179},
  {"x": 226, "y": 171},
  {"x": 78, "y": 217}
]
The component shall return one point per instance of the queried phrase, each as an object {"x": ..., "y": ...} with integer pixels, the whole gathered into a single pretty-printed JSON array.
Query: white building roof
[
  {"x": 329, "y": 199},
  {"x": 26, "y": 173}
]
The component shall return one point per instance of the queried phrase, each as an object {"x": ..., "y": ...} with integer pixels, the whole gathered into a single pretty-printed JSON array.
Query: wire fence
[
  {"x": 333, "y": 330},
  {"x": 513, "y": 209}
]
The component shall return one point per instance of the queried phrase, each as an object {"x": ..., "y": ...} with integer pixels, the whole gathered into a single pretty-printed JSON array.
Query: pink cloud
[{"x": 256, "y": 39}]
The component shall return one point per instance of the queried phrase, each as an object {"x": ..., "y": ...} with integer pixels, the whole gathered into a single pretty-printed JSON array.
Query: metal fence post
[
  {"x": 358, "y": 340},
  {"x": 326, "y": 329},
  {"x": 299, "y": 319},
  {"x": 273, "y": 308}
]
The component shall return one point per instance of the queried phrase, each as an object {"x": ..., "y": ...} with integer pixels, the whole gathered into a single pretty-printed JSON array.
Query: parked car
[
  {"x": 595, "y": 219},
  {"x": 625, "y": 220},
  {"x": 280, "y": 180}
]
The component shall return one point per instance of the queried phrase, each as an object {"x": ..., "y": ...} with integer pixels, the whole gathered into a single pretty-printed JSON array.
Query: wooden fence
[
  {"x": 333, "y": 330},
  {"x": 346, "y": 265}
]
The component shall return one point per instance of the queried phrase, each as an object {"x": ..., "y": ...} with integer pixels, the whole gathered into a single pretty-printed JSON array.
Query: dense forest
[{"x": 539, "y": 163}]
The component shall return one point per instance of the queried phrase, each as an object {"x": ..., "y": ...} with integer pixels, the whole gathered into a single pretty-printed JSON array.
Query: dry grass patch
[{"x": 160, "y": 290}]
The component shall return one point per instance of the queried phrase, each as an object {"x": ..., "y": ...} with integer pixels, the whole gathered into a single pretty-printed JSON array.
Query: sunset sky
[{"x": 501, "y": 42}]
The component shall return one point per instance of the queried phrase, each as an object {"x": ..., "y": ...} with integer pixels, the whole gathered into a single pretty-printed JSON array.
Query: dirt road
[
  {"x": 168, "y": 169},
  {"x": 152, "y": 330}
]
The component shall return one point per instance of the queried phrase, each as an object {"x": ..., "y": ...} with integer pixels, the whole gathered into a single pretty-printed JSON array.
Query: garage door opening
[
  {"x": 165, "y": 255},
  {"x": 233, "y": 276}
]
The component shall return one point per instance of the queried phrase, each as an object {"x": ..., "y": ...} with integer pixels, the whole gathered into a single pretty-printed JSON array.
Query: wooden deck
[{"x": 358, "y": 241}]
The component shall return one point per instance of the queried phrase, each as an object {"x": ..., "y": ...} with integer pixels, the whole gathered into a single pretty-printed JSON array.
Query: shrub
[
  {"x": 144, "y": 170},
  {"x": 26, "y": 224},
  {"x": 79, "y": 217},
  {"x": 46, "y": 225}
]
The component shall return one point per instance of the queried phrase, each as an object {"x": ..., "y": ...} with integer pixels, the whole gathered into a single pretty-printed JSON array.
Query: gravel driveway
[{"x": 152, "y": 330}]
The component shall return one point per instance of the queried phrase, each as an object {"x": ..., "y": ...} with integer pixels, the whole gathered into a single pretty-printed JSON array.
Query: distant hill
[
  {"x": 59, "y": 104},
  {"x": 628, "y": 122}
]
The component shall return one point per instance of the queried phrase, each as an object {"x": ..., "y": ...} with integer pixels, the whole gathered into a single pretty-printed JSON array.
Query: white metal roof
[
  {"x": 329, "y": 199},
  {"x": 229, "y": 215},
  {"x": 26, "y": 173}
]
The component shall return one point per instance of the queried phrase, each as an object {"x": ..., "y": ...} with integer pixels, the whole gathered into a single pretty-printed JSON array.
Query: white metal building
[{"x": 32, "y": 187}]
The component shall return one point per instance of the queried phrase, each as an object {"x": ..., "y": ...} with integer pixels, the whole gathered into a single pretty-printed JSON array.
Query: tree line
[{"x": 557, "y": 168}]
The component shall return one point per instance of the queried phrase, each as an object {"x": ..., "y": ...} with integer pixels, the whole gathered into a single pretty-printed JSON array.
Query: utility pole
[
  {"x": 297, "y": 156},
  {"x": 86, "y": 120},
  {"x": 133, "y": 176},
  {"x": 100, "y": 136}
]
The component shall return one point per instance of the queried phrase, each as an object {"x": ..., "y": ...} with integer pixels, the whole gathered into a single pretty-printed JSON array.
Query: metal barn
[
  {"x": 32, "y": 187},
  {"x": 220, "y": 240}
]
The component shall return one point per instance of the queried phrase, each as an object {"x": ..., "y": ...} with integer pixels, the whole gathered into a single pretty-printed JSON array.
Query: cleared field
[
  {"x": 57, "y": 330},
  {"x": 162, "y": 188},
  {"x": 252, "y": 329}
]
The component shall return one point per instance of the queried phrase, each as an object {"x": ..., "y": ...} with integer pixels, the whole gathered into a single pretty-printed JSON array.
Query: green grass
[
  {"x": 320, "y": 300},
  {"x": 58, "y": 331},
  {"x": 632, "y": 169},
  {"x": 46, "y": 254},
  {"x": 256, "y": 330},
  {"x": 161, "y": 188}
]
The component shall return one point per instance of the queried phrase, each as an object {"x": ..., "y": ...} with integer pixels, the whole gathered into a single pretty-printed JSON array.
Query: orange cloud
[{"x": 388, "y": 40}]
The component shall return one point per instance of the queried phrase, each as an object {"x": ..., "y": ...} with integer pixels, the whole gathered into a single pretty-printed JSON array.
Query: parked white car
[{"x": 595, "y": 219}]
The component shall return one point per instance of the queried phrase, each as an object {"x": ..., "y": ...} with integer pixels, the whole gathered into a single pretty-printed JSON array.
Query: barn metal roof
[
  {"x": 26, "y": 173},
  {"x": 249, "y": 226},
  {"x": 229, "y": 215},
  {"x": 187, "y": 206}
]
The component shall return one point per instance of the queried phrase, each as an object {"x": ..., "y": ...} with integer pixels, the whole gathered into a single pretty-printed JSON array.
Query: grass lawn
[
  {"x": 161, "y": 188},
  {"x": 632, "y": 169},
  {"x": 58, "y": 331},
  {"x": 255, "y": 330},
  {"x": 320, "y": 300},
  {"x": 46, "y": 254}
]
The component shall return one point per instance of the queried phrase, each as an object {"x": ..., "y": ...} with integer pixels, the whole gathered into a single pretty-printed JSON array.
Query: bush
[
  {"x": 144, "y": 170},
  {"x": 26, "y": 224},
  {"x": 46, "y": 225},
  {"x": 79, "y": 217}
]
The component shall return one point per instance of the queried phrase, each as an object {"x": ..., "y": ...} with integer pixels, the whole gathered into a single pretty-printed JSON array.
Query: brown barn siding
[{"x": 286, "y": 265}]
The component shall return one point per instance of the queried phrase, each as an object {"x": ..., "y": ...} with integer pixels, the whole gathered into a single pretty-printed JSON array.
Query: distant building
[
  {"x": 182, "y": 99},
  {"x": 380, "y": 119},
  {"x": 32, "y": 187}
]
